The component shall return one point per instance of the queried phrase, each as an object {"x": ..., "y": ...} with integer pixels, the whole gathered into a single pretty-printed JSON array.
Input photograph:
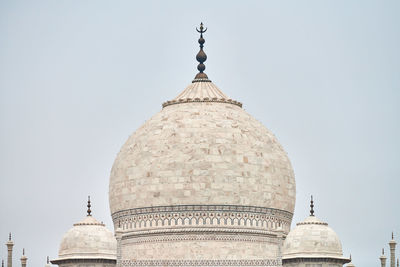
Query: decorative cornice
[
  {"x": 83, "y": 260},
  {"x": 201, "y": 100},
  {"x": 264, "y": 262},
  {"x": 196, "y": 234},
  {"x": 313, "y": 222},
  {"x": 200, "y": 216},
  {"x": 201, "y": 80},
  {"x": 330, "y": 260},
  {"x": 200, "y": 208}
]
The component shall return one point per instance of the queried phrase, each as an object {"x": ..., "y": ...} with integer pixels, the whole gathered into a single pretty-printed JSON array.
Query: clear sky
[{"x": 78, "y": 77}]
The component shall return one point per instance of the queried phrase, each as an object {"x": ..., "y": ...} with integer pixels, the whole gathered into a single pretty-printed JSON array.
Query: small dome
[
  {"x": 312, "y": 238},
  {"x": 88, "y": 239}
]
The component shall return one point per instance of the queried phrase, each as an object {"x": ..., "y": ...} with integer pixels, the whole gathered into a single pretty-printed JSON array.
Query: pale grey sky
[{"x": 78, "y": 77}]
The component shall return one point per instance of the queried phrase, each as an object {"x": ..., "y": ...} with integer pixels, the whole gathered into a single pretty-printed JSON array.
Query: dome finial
[
  {"x": 201, "y": 57},
  {"x": 312, "y": 207},
  {"x": 89, "y": 211}
]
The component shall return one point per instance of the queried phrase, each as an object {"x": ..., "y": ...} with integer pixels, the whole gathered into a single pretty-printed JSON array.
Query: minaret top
[
  {"x": 89, "y": 211},
  {"x": 201, "y": 57},
  {"x": 23, "y": 258},
  {"x": 383, "y": 257},
  {"x": 392, "y": 242},
  {"x": 9, "y": 242},
  {"x": 312, "y": 206}
]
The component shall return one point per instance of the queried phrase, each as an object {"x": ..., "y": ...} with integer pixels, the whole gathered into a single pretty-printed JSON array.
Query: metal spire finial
[
  {"x": 350, "y": 258},
  {"x": 383, "y": 251},
  {"x": 312, "y": 207},
  {"x": 9, "y": 237},
  {"x": 89, "y": 211},
  {"x": 23, "y": 252},
  {"x": 397, "y": 262},
  {"x": 48, "y": 261},
  {"x": 392, "y": 235},
  {"x": 2, "y": 263},
  {"x": 201, "y": 57}
]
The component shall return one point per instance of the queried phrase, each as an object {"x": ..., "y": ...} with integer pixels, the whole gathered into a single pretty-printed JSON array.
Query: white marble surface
[
  {"x": 202, "y": 153},
  {"x": 312, "y": 238},
  {"x": 88, "y": 239}
]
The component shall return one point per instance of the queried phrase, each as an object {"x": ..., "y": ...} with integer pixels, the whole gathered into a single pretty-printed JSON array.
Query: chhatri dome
[
  {"x": 87, "y": 243},
  {"x": 313, "y": 241},
  {"x": 201, "y": 183}
]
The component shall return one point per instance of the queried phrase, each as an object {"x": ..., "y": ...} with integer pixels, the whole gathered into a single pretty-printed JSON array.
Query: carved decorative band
[
  {"x": 267, "y": 262},
  {"x": 233, "y": 236},
  {"x": 203, "y": 216}
]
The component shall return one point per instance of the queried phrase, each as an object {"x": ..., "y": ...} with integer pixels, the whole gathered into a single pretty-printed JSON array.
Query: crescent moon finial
[
  {"x": 201, "y": 57},
  {"x": 202, "y": 30}
]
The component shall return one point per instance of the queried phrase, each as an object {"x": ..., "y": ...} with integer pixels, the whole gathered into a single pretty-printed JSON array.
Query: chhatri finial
[
  {"x": 312, "y": 207},
  {"x": 392, "y": 235},
  {"x": 350, "y": 258},
  {"x": 89, "y": 211},
  {"x": 201, "y": 57},
  {"x": 383, "y": 251},
  {"x": 23, "y": 252},
  {"x": 9, "y": 237}
]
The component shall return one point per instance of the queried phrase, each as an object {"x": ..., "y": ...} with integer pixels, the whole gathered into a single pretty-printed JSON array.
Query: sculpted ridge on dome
[{"x": 203, "y": 91}]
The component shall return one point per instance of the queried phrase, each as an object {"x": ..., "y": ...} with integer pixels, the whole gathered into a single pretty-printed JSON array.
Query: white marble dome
[
  {"x": 312, "y": 238},
  {"x": 202, "y": 148},
  {"x": 88, "y": 239}
]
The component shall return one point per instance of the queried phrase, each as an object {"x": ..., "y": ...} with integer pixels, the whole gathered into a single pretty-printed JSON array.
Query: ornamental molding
[
  {"x": 213, "y": 235},
  {"x": 203, "y": 216},
  {"x": 264, "y": 262},
  {"x": 84, "y": 260},
  {"x": 340, "y": 260},
  {"x": 202, "y": 100},
  {"x": 203, "y": 230}
]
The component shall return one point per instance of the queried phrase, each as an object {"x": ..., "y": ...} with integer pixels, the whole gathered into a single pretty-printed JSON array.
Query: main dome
[
  {"x": 202, "y": 148},
  {"x": 202, "y": 183}
]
